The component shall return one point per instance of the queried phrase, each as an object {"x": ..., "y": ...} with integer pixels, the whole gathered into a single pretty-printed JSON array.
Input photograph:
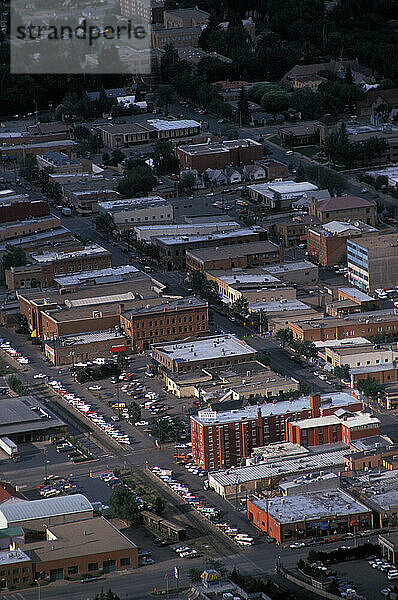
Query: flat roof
[
  {"x": 90, "y": 337},
  {"x": 286, "y": 267},
  {"x": 356, "y": 294},
  {"x": 97, "y": 275},
  {"x": 384, "y": 240},
  {"x": 279, "y": 306},
  {"x": 186, "y": 302},
  {"x": 92, "y": 250},
  {"x": 356, "y": 420},
  {"x": 233, "y": 250},
  {"x": 216, "y": 346},
  {"x": 358, "y": 341},
  {"x": 217, "y": 147},
  {"x": 8, "y": 557},
  {"x": 89, "y": 536},
  {"x": 334, "y": 399},
  {"x": 312, "y": 505},
  {"x": 185, "y": 227},
  {"x": 22, "y": 240},
  {"x": 56, "y": 144},
  {"x": 245, "y": 278},
  {"x": 25, "y": 510},
  {"x": 373, "y": 369},
  {"x": 217, "y": 235},
  {"x": 131, "y": 203},
  {"x": 278, "y": 468},
  {"x": 283, "y": 187},
  {"x": 164, "y": 125},
  {"x": 25, "y": 414}
]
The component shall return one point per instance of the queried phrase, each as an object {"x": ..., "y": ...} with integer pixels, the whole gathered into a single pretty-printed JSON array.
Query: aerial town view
[{"x": 199, "y": 300}]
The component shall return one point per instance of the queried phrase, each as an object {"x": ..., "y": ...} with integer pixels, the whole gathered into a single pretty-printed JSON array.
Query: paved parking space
[{"x": 366, "y": 580}]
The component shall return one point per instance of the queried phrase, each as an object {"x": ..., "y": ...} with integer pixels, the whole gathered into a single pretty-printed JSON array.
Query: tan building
[
  {"x": 254, "y": 284},
  {"x": 343, "y": 208},
  {"x": 150, "y": 11},
  {"x": 127, "y": 214},
  {"x": 301, "y": 271},
  {"x": 362, "y": 356},
  {"x": 185, "y": 17},
  {"x": 130, "y": 134},
  {"x": 19, "y": 152},
  {"x": 233, "y": 256},
  {"x": 18, "y": 229},
  {"x": 59, "y": 162},
  {"x": 290, "y": 232}
]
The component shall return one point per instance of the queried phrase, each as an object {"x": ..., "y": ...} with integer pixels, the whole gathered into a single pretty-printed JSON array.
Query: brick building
[
  {"x": 150, "y": 11},
  {"x": 290, "y": 232},
  {"x": 300, "y": 516},
  {"x": 19, "y": 151},
  {"x": 332, "y": 429},
  {"x": 218, "y": 155},
  {"x": 130, "y": 134},
  {"x": 361, "y": 325},
  {"x": 72, "y": 349},
  {"x": 328, "y": 243},
  {"x": 223, "y": 439},
  {"x": 137, "y": 211},
  {"x": 274, "y": 169},
  {"x": 343, "y": 208},
  {"x": 240, "y": 256},
  {"x": 45, "y": 266},
  {"x": 59, "y": 162},
  {"x": 171, "y": 320},
  {"x": 185, "y": 17},
  {"x": 18, "y": 207}
]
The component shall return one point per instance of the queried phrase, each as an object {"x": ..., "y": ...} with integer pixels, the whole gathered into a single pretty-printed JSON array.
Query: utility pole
[{"x": 45, "y": 467}]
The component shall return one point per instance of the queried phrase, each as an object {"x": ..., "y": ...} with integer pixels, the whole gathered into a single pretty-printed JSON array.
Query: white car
[
  {"x": 95, "y": 388},
  {"x": 39, "y": 376},
  {"x": 141, "y": 423}
]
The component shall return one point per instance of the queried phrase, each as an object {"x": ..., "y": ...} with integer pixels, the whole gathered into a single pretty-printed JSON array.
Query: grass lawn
[{"x": 309, "y": 151}]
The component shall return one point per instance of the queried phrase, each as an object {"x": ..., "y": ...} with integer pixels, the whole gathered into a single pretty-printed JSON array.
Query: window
[
  {"x": 73, "y": 570},
  {"x": 15, "y": 571},
  {"x": 93, "y": 566},
  {"x": 125, "y": 562}
]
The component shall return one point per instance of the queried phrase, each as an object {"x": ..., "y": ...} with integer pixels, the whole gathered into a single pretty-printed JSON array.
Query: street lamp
[{"x": 39, "y": 590}]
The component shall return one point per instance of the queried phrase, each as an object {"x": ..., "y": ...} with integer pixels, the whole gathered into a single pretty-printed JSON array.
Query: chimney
[{"x": 315, "y": 405}]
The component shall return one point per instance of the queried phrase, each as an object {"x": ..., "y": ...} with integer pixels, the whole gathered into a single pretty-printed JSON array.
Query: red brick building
[
  {"x": 218, "y": 155},
  {"x": 332, "y": 428},
  {"x": 171, "y": 320},
  {"x": 20, "y": 207},
  {"x": 275, "y": 169},
  {"x": 338, "y": 329},
  {"x": 223, "y": 439},
  {"x": 300, "y": 516}
]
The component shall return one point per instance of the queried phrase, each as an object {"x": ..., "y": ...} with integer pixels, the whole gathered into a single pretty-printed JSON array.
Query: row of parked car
[
  {"x": 15, "y": 354},
  {"x": 382, "y": 565},
  {"x": 55, "y": 486},
  {"x": 210, "y": 512},
  {"x": 85, "y": 408}
]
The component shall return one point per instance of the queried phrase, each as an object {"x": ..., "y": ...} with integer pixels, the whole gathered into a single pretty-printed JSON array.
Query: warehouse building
[{"x": 26, "y": 419}]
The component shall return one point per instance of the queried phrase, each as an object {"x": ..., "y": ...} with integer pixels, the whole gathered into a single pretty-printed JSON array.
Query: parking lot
[{"x": 367, "y": 581}]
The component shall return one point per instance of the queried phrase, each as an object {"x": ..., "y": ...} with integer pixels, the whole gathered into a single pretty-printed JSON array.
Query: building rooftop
[
  {"x": 356, "y": 420},
  {"x": 110, "y": 275},
  {"x": 371, "y": 242},
  {"x": 276, "y": 451},
  {"x": 163, "y": 125},
  {"x": 233, "y": 250},
  {"x": 167, "y": 305},
  {"x": 25, "y": 414},
  {"x": 379, "y": 489},
  {"x": 216, "y": 346},
  {"x": 47, "y": 507},
  {"x": 390, "y": 366},
  {"x": 217, "y": 147},
  {"x": 334, "y": 399},
  {"x": 285, "y": 188},
  {"x": 343, "y": 203},
  {"x": 286, "y": 267},
  {"x": 314, "y": 505},
  {"x": 245, "y": 277},
  {"x": 8, "y": 557},
  {"x": 174, "y": 240},
  {"x": 336, "y": 228},
  {"x": 26, "y": 240},
  {"x": 335, "y": 344},
  {"x": 115, "y": 206},
  {"x": 278, "y": 468},
  {"x": 90, "y": 337},
  {"x": 70, "y": 540},
  {"x": 355, "y": 294},
  {"x": 92, "y": 250},
  {"x": 279, "y": 306},
  {"x": 59, "y": 159},
  {"x": 149, "y": 231}
]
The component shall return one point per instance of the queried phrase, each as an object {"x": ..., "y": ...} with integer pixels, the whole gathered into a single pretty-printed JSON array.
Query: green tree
[
  {"x": 203, "y": 287},
  {"x": 28, "y": 169},
  {"x": 138, "y": 179},
  {"x": 14, "y": 257},
  {"x": 240, "y": 307},
  {"x": 22, "y": 325},
  {"x": 187, "y": 183},
  {"x": 259, "y": 320},
  {"x": 128, "y": 237},
  {"x": 122, "y": 360},
  {"x": 275, "y": 101},
  {"x": 159, "y": 505},
  {"x": 134, "y": 412},
  {"x": 370, "y": 387},
  {"x": 243, "y": 107},
  {"x": 104, "y": 222},
  {"x": 285, "y": 336},
  {"x": 165, "y": 96},
  {"x": 123, "y": 505},
  {"x": 164, "y": 157},
  {"x": 342, "y": 372},
  {"x": 195, "y": 575}
]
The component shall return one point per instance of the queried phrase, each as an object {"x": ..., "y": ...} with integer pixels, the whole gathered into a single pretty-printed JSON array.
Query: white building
[{"x": 280, "y": 194}]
